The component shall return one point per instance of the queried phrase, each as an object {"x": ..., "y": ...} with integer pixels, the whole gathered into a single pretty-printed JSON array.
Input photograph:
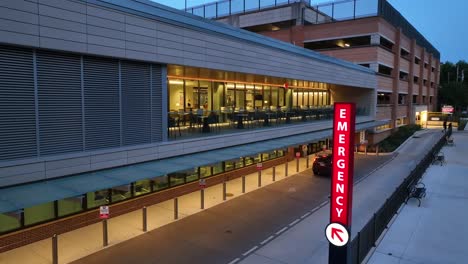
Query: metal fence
[{"x": 370, "y": 233}]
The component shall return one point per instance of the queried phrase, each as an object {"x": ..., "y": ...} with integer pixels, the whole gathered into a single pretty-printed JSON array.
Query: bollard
[
  {"x": 145, "y": 222},
  {"x": 259, "y": 178},
  {"x": 307, "y": 161},
  {"x": 105, "y": 241},
  {"x": 224, "y": 190},
  {"x": 274, "y": 173},
  {"x": 365, "y": 149},
  {"x": 202, "y": 198},
  {"x": 54, "y": 249},
  {"x": 243, "y": 184},
  {"x": 377, "y": 150},
  {"x": 176, "y": 209},
  {"x": 286, "y": 170},
  {"x": 297, "y": 165}
]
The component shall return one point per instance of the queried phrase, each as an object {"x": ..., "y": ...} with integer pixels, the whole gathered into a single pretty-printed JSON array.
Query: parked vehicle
[{"x": 322, "y": 164}]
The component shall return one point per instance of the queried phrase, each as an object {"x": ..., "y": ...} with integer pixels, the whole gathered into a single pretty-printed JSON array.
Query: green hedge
[{"x": 396, "y": 139}]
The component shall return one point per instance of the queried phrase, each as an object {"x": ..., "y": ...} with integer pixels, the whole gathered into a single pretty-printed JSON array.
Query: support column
[
  {"x": 105, "y": 240},
  {"x": 176, "y": 209},
  {"x": 409, "y": 110},
  {"x": 145, "y": 222},
  {"x": 54, "y": 249},
  {"x": 396, "y": 77},
  {"x": 274, "y": 173}
]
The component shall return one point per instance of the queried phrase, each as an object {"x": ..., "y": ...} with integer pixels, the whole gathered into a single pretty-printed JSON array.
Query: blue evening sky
[{"x": 443, "y": 23}]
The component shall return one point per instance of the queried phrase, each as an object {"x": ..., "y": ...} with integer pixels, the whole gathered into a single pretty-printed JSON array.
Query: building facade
[
  {"x": 130, "y": 103},
  {"x": 369, "y": 33}
]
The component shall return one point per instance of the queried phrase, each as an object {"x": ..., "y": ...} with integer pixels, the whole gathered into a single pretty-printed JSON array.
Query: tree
[{"x": 453, "y": 85}]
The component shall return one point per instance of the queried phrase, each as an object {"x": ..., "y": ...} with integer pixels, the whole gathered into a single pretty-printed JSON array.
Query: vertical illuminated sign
[{"x": 338, "y": 231}]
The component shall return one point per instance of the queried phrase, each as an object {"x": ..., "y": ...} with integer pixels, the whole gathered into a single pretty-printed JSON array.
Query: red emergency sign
[{"x": 343, "y": 163}]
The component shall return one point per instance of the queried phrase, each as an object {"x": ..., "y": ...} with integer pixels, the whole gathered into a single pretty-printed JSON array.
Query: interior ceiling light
[{"x": 347, "y": 45}]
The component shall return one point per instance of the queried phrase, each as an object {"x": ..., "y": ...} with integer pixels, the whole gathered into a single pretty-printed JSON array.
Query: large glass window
[
  {"x": 239, "y": 163},
  {"x": 176, "y": 95},
  {"x": 39, "y": 213},
  {"x": 229, "y": 165},
  {"x": 70, "y": 205},
  {"x": 120, "y": 193},
  {"x": 240, "y": 96},
  {"x": 10, "y": 221},
  {"x": 176, "y": 178},
  {"x": 142, "y": 187},
  {"x": 218, "y": 168},
  {"x": 205, "y": 171},
  {"x": 160, "y": 182},
  {"x": 192, "y": 175},
  {"x": 97, "y": 198}
]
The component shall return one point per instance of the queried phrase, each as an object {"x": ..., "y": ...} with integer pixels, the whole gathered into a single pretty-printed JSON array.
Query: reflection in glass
[
  {"x": 176, "y": 178},
  {"x": 120, "y": 193},
  {"x": 142, "y": 187},
  {"x": 97, "y": 198},
  {"x": 39, "y": 213},
  {"x": 160, "y": 182},
  {"x": 10, "y": 221},
  {"x": 205, "y": 171},
  {"x": 218, "y": 168},
  {"x": 70, "y": 205},
  {"x": 239, "y": 163},
  {"x": 192, "y": 175}
]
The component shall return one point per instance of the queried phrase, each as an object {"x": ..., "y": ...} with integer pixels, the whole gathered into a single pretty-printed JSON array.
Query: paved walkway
[
  {"x": 437, "y": 231},
  {"x": 305, "y": 241}
]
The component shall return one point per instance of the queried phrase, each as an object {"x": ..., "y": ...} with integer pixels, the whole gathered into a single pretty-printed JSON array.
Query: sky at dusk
[{"x": 443, "y": 23}]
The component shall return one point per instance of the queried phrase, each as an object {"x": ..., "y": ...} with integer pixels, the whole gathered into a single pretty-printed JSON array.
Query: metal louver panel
[
  {"x": 59, "y": 88},
  {"x": 156, "y": 107},
  {"x": 17, "y": 106},
  {"x": 102, "y": 106},
  {"x": 136, "y": 103}
]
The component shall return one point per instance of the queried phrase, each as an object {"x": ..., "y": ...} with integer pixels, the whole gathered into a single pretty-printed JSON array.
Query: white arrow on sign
[{"x": 337, "y": 234}]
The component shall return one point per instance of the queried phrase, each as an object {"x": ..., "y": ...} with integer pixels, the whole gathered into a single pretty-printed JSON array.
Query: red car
[{"x": 322, "y": 164}]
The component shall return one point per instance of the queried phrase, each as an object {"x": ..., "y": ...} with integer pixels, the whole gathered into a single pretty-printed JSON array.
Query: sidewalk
[
  {"x": 436, "y": 232},
  {"x": 303, "y": 241}
]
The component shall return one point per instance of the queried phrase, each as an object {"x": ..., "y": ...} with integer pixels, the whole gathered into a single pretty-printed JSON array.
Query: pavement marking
[
  {"x": 305, "y": 215},
  {"x": 294, "y": 222},
  {"x": 234, "y": 261},
  {"x": 249, "y": 251},
  {"x": 266, "y": 240},
  {"x": 282, "y": 230}
]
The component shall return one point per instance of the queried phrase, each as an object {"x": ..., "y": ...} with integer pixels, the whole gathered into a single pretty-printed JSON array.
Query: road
[{"x": 224, "y": 232}]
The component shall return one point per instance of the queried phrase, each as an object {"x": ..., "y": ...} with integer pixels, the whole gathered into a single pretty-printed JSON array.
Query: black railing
[{"x": 370, "y": 233}]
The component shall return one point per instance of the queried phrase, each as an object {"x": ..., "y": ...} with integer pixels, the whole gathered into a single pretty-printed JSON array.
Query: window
[
  {"x": 161, "y": 182},
  {"x": 403, "y": 76},
  {"x": 424, "y": 99},
  {"x": 425, "y": 82},
  {"x": 415, "y": 79},
  {"x": 265, "y": 156},
  {"x": 39, "y": 213},
  {"x": 416, "y": 60},
  {"x": 405, "y": 54},
  {"x": 339, "y": 43},
  {"x": 432, "y": 84},
  {"x": 425, "y": 65},
  {"x": 402, "y": 99},
  {"x": 70, "y": 205},
  {"x": 120, "y": 193},
  {"x": 433, "y": 69},
  {"x": 367, "y": 65},
  {"x": 141, "y": 187},
  {"x": 382, "y": 128},
  {"x": 386, "y": 43},
  {"x": 218, "y": 168},
  {"x": 97, "y": 198},
  {"x": 400, "y": 121},
  {"x": 383, "y": 98},
  {"x": 385, "y": 70},
  {"x": 430, "y": 99},
  {"x": 10, "y": 221},
  {"x": 176, "y": 178},
  {"x": 205, "y": 171},
  {"x": 239, "y": 163},
  {"x": 415, "y": 99}
]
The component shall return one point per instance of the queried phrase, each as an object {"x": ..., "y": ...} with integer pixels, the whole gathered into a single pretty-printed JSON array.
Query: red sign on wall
[{"x": 343, "y": 163}]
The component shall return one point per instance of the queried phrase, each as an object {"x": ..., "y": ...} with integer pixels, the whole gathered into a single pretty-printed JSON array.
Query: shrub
[{"x": 397, "y": 138}]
